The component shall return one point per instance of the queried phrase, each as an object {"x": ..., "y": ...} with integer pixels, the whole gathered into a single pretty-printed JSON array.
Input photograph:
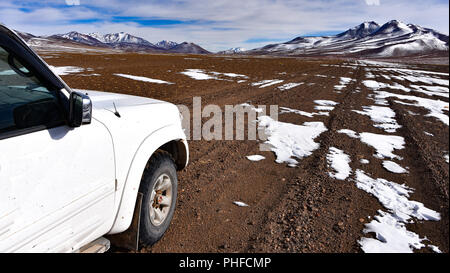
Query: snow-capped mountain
[
  {"x": 394, "y": 38},
  {"x": 78, "y": 37},
  {"x": 360, "y": 31},
  {"x": 124, "y": 38},
  {"x": 166, "y": 44},
  {"x": 97, "y": 36},
  {"x": 234, "y": 50},
  {"x": 114, "y": 39},
  {"x": 125, "y": 41}
]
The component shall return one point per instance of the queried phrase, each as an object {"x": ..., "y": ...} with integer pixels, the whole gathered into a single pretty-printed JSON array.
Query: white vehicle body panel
[
  {"x": 56, "y": 189},
  {"x": 87, "y": 160}
]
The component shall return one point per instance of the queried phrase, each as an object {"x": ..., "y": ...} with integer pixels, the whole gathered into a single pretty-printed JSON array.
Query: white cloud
[
  {"x": 221, "y": 24},
  {"x": 73, "y": 2},
  {"x": 373, "y": 2}
]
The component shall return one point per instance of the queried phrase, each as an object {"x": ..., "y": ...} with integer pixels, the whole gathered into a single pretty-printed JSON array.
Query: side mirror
[{"x": 80, "y": 109}]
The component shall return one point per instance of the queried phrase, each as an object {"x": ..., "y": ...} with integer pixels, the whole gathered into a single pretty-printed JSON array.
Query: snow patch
[
  {"x": 384, "y": 144},
  {"x": 302, "y": 113},
  {"x": 390, "y": 230},
  {"x": 326, "y": 102},
  {"x": 364, "y": 161},
  {"x": 266, "y": 83},
  {"x": 435, "y": 248},
  {"x": 324, "y": 108},
  {"x": 288, "y": 86},
  {"x": 394, "y": 197},
  {"x": 289, "y": 141},
  {"x": 431, "y": 90},
  {"x": 240, "y": 204},
  {"x": 348, "y": 132},
  {"x": 391, "y": 236},
  {"x": 383, "y": 117},
  {"x": 435, "y": 107},
  {"x": 342, "y": 83},
  {"x": 231, "y": 75},
  {"x": 378, "y": 85},
  {"x": 255, "y": 157},
  {"x": 200, "y": 74},
  {"x": 393, "y": 167},
  {"x": 339, "y": 161},
  {"x": 143, "y": 79},
  {"x": 66, "y": 70}
]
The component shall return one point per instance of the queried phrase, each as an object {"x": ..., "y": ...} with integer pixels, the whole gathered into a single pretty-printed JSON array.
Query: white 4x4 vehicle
[{"x": 72, "y": 163}]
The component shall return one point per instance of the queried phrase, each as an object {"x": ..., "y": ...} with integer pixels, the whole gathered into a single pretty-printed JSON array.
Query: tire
[{"x": 160, "y": 170}]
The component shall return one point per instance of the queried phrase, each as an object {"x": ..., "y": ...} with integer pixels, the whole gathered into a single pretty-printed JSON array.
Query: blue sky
[{"x": 218, "y": 24}]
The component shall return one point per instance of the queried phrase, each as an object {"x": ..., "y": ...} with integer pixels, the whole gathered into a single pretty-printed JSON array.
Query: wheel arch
[{"x": 170, "y": 139}]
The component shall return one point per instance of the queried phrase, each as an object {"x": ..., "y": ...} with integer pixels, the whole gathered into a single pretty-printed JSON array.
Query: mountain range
[
  {"x": 121, "y": 41},
  {"x": 369, "y": 39},
  {"x": 234, "y": 50}
]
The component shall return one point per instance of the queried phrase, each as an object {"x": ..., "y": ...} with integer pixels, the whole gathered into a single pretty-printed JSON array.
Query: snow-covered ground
[
  {"x": 255, "y": 157},
  {"x": 383, "y": 144},
  {"x": 303, "y": 113},
  {"x": 291, "y": 142},
  {"x": 383, "y": 117},
  {"x": 267, "y": 83},
  {"x": 66, "y": 70},
  {"x": 201, "y": 74},
  {"x": 436, "y": 108},
  {"x": 240, "y": 204},
  {"x": 143, "y": 79},
  {"x": 288, "y": 86},
  {"x": 391, "y": 234},
  {"x": 343, "y": 82},
  {"x": 339, "y": 161},
  {"x": 390, "y": 230},
  {"x": 393, "y": 167}
]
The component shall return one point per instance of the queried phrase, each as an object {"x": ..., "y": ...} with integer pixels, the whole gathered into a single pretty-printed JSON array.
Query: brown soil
[{"x": 291, "y": 209}]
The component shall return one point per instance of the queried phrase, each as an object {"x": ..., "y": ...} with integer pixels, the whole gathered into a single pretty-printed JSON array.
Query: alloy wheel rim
[{"x": 161, "y": 199}]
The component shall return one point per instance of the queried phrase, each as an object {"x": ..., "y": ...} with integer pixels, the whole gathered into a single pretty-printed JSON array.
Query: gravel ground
[{"x": 299, "y": 209}]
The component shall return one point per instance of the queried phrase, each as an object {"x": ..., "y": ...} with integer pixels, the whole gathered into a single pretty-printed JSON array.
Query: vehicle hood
[
  {"x": 106, "y": 100},
  {"x": 132, "y": 116}
]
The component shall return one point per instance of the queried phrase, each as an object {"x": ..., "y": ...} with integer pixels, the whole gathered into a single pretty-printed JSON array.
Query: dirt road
[{"x": 300, "y": 209}]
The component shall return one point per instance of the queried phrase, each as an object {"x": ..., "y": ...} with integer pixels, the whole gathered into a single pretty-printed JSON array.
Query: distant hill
[
  {"x": 393, "y": 39},
  {"x": 120, "y": 41},
  {"x": 188, "y": 48}
]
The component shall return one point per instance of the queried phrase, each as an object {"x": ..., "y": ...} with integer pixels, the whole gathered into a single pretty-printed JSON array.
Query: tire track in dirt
[
  {"x": 430, "y": 177},
  {"x": 322, "y": 213},
  {"x": 267, "y": 187}
]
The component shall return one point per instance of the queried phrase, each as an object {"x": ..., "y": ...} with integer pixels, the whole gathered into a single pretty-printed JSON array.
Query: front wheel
[{"x": 159, "y": 188}]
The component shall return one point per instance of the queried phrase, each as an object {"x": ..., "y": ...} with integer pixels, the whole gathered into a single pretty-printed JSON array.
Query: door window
[{"x": 25, "y": 103}]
